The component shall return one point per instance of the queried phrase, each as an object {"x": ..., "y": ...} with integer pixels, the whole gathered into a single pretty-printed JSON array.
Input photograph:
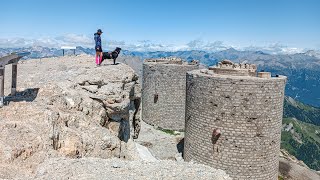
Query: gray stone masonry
[
  {"x": 163, "y": 92},
  {"x": 233, "y": 122}
]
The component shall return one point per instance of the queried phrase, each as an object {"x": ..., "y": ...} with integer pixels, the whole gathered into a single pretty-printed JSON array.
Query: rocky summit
[{"x": 73, "y": 120}]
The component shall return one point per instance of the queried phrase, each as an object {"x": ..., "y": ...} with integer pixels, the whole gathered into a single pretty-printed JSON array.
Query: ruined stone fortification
[
  {"x": 227, "y": 67},
  {"x": 72, "y": 120},
  {"x": 233, "y": 122},
  {"x": 163, "y": 96}
]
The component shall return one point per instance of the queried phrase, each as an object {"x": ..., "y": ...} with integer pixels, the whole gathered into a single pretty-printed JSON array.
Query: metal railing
[{"x": 13, "y": 59}]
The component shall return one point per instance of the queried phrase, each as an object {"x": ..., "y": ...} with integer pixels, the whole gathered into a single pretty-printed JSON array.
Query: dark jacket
[{"x": 97, "y": 39}]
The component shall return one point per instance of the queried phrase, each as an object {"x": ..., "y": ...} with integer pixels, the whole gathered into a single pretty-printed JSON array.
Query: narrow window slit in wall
[{"x": 155, "y": 98}]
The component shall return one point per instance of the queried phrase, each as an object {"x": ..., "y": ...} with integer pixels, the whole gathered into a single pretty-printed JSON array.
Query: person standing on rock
[{"x": 98, "y": 47}]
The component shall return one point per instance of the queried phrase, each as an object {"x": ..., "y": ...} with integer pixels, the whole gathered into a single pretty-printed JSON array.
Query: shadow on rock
[
  {"x": 284, "y": 169},
  {"x": 180, "y": 147},
  {"x": 27, "y": 95}
]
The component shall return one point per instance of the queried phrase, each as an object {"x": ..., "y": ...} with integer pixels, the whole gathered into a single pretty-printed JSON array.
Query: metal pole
[
  {"x": 14, "y": 79},
  {"x": 1, "y": 86}
]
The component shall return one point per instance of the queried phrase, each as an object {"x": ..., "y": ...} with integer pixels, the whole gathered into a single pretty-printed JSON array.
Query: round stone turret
[
  {"x": 233, "y": 120},
  {"x": 164, "y": 92}
]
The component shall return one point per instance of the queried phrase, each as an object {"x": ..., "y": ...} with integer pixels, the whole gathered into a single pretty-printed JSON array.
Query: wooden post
[
  {"x": 62, "y": 52},
  {"x": 1, "y": 86},
  {"x": 14, "y": 79},
  {"x": 74, "y": 52}
]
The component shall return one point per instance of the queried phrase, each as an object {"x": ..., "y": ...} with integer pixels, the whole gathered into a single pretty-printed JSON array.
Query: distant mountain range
[
  {"x": 43, "y": 52},
  {"x": 301, "y": 132},
  {"x": 302, "y": 69},
  {"x": 303, "y": 112}
]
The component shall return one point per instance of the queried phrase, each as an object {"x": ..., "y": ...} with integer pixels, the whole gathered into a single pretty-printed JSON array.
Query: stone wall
[
  {"x": 163, "y": 92},
  {"x": 233, "y": 123},
  {"x": 227, "y": 67}
]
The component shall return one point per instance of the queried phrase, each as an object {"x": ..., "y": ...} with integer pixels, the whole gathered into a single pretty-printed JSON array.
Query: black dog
[{"x": 111, "y": 55}]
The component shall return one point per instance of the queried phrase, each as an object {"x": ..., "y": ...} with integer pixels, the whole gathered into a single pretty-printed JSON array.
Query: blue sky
[{"x": 294, "y": 23}]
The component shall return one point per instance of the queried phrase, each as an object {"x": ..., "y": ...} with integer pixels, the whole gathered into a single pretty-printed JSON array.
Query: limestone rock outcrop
[
  {"x": 67, "y": 107},
  {"x": 72, "y": 120}
]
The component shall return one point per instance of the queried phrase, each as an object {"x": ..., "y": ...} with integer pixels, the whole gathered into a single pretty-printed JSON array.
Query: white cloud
[
  {"x": 56, "y": 42},
  {"x": 75, "y": 40},
  {"x": 147, "y": 45},
  {"x": 275, "y": 48},
  {"x": 86, "y": 41},
  {"x": 13, "y": 43},
  {"x": 144, "y": 45}
]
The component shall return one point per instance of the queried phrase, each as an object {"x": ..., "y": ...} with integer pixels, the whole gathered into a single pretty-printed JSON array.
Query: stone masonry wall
[
  {"x": 163, "y": 93},
  {"x": 248, "y": 113}
]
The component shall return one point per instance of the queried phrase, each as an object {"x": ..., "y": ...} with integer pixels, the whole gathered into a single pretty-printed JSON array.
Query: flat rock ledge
[{"x": 93, "y": 168}]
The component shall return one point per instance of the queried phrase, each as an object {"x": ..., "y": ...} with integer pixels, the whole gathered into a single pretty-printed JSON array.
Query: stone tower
[
  {"x": 233, "y": 120},
  {"x": 163, "y": 92}
]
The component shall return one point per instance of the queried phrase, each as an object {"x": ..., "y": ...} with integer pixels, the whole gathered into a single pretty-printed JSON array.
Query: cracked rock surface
[
  {"x": 73, "y": 120},
  {"x": 68, "y": 107}
]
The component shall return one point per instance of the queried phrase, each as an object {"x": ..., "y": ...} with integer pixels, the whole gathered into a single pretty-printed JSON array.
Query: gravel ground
[{"x": 95, "y": 168}]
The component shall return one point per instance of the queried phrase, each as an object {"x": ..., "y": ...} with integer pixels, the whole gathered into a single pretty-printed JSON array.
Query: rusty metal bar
[
  {"x": 1, "y": 86},
  {"x": 14, "y": 79}
]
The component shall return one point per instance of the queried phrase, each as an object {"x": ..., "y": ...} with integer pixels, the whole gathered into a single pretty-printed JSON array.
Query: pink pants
[{"x": 98, "y": 59}]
